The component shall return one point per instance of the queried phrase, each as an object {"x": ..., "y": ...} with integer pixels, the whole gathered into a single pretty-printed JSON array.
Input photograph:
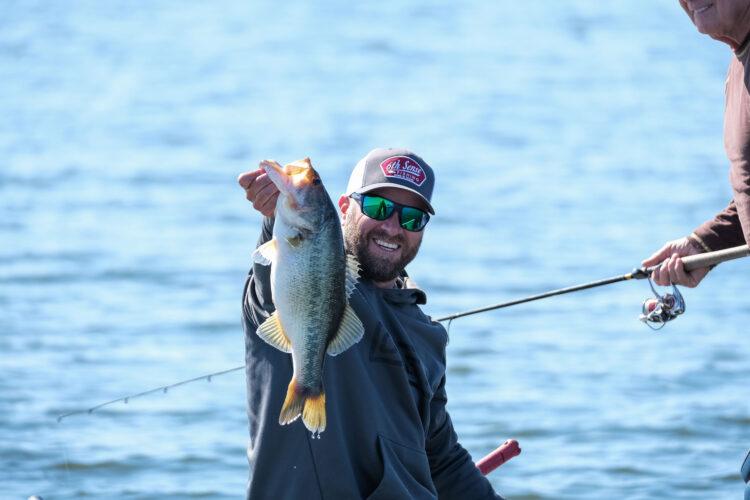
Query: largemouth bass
[{"x": 311, "y": 280}]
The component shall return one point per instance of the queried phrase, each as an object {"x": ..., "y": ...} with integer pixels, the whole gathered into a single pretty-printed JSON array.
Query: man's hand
[
  {"x": 672, "y": 269},
  {"x": 260, "y": 190}
]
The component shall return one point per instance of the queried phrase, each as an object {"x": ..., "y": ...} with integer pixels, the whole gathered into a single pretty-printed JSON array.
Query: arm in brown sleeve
[{"x": 724, "y": 231}]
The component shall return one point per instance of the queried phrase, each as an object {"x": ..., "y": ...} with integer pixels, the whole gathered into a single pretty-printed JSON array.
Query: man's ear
[{"x": 344, "y": 204}]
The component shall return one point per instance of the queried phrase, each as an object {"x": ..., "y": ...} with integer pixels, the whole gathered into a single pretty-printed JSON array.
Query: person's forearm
[{"x": 723, "y": 231}]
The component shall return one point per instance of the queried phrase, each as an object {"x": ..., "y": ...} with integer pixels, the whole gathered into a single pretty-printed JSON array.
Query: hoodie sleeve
[
  {"x": 257, "y": 303},
  {"x": 453, "y": 471}
]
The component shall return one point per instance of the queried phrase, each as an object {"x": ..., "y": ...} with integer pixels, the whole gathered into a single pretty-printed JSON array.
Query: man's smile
[{"x": 384, "y": 245}]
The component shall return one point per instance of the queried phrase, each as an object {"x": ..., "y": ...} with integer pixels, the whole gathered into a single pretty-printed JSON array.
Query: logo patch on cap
[{"x": 403, "y": 167}]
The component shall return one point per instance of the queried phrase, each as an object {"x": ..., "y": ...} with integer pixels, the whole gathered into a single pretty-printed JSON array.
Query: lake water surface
[{"x": 570, "y": 140}]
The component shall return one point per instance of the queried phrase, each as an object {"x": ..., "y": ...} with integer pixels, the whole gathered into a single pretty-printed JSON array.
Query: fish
[{"x": 312, "y": 279}]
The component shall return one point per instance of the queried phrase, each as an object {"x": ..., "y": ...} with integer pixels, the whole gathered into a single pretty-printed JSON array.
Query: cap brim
[{"x": 373, "y": 187}]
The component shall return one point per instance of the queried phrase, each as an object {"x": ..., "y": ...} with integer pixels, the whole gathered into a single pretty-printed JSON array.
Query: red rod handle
[{"x": 508, "y": 450}]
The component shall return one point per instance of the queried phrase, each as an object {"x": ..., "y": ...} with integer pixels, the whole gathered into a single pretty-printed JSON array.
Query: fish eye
[{"x": 316, "y": 181}]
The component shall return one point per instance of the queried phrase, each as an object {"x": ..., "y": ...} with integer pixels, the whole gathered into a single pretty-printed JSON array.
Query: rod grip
[
  {"x": 502, "y": 454},
  {"x": 712, "y": 258}
]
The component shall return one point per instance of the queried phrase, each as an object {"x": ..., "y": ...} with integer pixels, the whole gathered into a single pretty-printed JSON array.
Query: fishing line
[
  {"x": 66, "y": 455},
  {"x": 668, "y": 306}
]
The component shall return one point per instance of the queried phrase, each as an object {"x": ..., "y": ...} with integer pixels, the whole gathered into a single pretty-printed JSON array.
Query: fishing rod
[
  {"x": 659, "y": 310},
  {"x": 690, "y": 262},
  {"x": 163, "y": 389},
  {"x": 492, "y": 461}
]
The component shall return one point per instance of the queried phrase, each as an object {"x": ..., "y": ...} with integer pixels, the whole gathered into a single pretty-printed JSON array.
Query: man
[
  {"x": 727, "y": 21},
  {"x": 389, "y": 435}
]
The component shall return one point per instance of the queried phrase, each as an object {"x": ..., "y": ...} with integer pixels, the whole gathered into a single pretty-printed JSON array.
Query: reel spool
[{"x": 662, "y": 308}]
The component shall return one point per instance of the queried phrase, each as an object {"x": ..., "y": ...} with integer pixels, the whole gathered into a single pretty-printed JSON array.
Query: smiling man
[
  {"x": 727, "y": 21},
  {"x": 388, "y": 434},
  {"x": 382, "y": 182}
]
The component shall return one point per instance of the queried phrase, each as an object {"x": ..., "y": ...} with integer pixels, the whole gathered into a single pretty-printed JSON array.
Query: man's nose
[{"x": 391, "y": 224}]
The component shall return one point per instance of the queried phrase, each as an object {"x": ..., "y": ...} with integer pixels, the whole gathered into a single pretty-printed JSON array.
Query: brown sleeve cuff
[
  {"x": 698, "y": 243},
  {"x": 723, "y": 231}
]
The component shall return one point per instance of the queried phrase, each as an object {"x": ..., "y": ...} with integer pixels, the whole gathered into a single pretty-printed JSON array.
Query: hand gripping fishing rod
[{"x": 690, "y": 262}]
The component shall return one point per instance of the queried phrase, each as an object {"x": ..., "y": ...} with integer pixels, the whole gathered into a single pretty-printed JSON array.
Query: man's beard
[{"x": 375, "y": 267}]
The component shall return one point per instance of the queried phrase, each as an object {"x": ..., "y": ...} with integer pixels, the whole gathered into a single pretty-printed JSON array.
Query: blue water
[{"x": 570, "y": 139}]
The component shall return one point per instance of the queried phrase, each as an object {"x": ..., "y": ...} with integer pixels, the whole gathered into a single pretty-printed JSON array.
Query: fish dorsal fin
[
  {"x": 271, "y": 332},
  {"x": 352, "y": 273},
  {"x": 266, "y": 253},
  {"x": 349, "y": 333}
]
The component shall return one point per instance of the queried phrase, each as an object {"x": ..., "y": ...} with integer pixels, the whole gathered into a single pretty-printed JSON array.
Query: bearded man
[{"x": 388, "y": 434}]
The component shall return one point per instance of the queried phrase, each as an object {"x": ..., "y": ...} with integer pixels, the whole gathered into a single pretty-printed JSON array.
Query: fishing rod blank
[
  {"x": 163, "y": 389},
  {"x": 690, "y": 262}
]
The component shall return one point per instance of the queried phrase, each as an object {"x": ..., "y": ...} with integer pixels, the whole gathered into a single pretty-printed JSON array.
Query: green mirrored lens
[
  {"x": 412, "y": 219},
  {"x": 376, "y": 207},
  {"x": 379, "y": 208}
]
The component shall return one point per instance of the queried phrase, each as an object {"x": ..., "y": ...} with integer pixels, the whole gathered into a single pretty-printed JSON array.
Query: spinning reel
[{"x": 662, "y": 308}]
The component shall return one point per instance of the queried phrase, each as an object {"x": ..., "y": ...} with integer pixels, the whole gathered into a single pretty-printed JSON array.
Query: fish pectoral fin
[
  {"x": 349, "y": 333},
  {"x": 266, "y": 253},
  {"x": 271, "y": 332},
  {"x": 352, "y": 273}
]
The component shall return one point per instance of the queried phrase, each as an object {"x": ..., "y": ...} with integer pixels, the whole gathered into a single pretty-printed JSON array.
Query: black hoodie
[{"x": 388, "y": 434}]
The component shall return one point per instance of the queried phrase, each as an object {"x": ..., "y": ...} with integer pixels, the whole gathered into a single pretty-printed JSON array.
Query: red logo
[{"x": 403, "y": 167}]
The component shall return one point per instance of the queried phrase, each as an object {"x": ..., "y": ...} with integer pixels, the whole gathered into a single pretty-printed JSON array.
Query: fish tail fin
[
  {"x": 293, "y": 404},
  {"x": 300, "y": 401},
  {"x": 314, "y": 414}
]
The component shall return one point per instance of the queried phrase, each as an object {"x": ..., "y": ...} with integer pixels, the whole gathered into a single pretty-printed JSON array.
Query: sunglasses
[{"x": 379, "y": 208}]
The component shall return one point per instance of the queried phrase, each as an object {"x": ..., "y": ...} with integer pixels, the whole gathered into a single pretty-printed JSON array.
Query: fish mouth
[
  {"x": 291, "y": 177},
  {"x": 702, "y": 9},
  {"x": 276, "y": 173}
]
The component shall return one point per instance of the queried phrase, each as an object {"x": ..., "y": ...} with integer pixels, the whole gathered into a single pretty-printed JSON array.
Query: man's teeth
[
  {"x": 703, "y": 9},
  {"x": 387, "y": 245}
]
